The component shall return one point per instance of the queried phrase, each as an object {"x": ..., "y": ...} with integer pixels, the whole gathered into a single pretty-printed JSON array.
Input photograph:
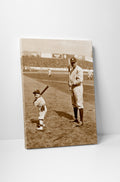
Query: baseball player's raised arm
[{"x": 36, "y": 102}]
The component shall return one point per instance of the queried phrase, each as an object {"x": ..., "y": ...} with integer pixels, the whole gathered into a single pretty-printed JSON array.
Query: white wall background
[{"x": 69, "y": 19}]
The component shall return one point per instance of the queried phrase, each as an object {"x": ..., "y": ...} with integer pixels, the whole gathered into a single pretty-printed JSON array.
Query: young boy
[{"x": 40, "y": 103}]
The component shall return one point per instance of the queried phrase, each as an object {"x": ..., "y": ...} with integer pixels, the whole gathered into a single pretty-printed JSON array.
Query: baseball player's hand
[
  {"x": 34, "y": 100},
  {"x": 77, "y": 83},
  {"x": 42, "y": 108},
  {"x": 70, "y": 84}
]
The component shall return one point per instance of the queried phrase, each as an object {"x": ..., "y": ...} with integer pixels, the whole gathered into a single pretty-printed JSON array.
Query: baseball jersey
[
  {"x": 39, "y": 102},
  {"x": 76, "y": 75}
]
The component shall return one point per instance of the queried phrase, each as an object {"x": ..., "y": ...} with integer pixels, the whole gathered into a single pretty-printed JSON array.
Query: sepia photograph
[{"x": 58, "y": 93}]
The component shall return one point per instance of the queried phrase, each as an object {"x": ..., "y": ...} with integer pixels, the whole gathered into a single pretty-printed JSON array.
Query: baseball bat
[{"x": 44, "y": 89}]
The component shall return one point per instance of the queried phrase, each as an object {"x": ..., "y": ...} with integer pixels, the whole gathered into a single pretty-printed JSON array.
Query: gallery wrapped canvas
[{"x": 58, "y": 93}]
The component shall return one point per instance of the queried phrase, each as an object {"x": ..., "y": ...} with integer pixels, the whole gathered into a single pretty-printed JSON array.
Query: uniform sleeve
[
  {"x": 79, "y": 77},
  {"x": 36, "y": 103}
]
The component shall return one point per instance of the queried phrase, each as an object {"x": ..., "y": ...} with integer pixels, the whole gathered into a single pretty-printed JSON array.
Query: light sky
[{"x": 78, "y": 47}]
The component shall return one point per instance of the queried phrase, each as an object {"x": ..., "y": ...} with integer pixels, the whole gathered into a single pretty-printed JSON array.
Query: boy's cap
[
  {"x": 36, "y": 92},
  {"x": 73, "y": 60}
]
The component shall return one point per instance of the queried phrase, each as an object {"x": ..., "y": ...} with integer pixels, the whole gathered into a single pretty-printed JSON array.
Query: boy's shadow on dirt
[
  {"x": 34, "y": 121},
  {"x": 64, "y": 114}
]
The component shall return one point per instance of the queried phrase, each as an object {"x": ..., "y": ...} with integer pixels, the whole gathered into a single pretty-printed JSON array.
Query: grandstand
[{"x": 37, "y": 61}]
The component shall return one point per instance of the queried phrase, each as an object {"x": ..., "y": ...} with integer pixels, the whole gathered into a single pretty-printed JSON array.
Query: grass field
[{"x": 60, "y": 130}]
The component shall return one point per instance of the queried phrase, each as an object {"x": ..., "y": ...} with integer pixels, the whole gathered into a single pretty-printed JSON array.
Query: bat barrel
[{"x": 44, "y": 89}]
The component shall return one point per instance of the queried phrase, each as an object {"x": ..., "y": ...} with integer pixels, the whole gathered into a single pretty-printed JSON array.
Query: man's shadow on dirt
[{"x": 64, "y": 114}]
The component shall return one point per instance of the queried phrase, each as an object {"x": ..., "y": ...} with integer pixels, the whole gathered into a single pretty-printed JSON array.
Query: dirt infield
[{"x": 60, "y": 130}]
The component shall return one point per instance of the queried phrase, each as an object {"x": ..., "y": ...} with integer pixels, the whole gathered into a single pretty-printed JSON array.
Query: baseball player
[
  {"x": 49, "y": 72},
  {"x": 40, "y": 103},
  {"x": 90, "y": 74},
  {"x": 76, "y": 87}
]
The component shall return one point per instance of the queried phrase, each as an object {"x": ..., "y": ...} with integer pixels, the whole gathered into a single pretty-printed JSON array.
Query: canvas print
[{"x": 58, "y": 92}]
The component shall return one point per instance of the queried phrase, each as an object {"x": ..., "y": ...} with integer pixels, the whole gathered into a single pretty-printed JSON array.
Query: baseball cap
[
  {"x": 36, "y": 92},
  {"x": 73, "y": 60}
]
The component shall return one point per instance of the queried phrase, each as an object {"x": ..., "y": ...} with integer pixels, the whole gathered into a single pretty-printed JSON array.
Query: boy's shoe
[
  {"x": 40, "y": 128},
  {"x": 38, "y": 125}
]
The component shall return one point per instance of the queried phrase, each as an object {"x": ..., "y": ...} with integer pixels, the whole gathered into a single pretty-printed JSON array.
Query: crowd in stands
[{"x": 37, "y": 61}]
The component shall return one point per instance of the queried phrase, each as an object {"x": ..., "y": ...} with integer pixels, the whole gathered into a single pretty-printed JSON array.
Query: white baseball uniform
[
  {"x": 76, "y": 80},
  {"x": 49, "y": 72},
  {"x": 90, "y": 74},
  {"x": 40, "y": 103}
]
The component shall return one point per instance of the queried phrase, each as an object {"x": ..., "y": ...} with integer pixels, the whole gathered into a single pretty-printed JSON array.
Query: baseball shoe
[
  {"x": 81, "y": 123},
  {"x": 40, "y": 128},
  {"x": 76, "y": 121}
]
